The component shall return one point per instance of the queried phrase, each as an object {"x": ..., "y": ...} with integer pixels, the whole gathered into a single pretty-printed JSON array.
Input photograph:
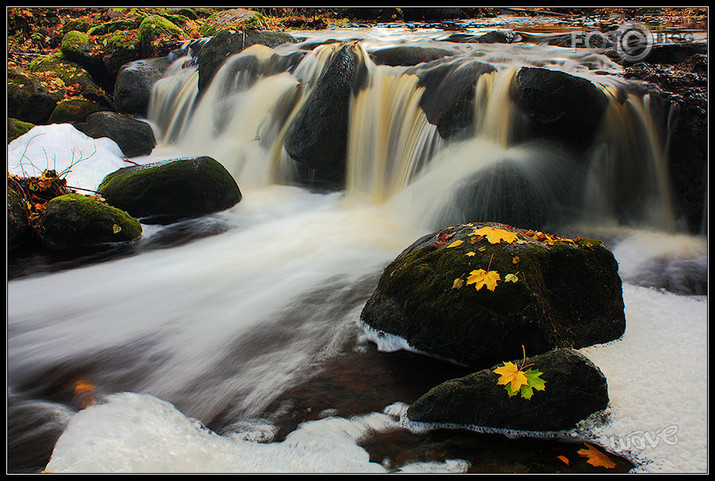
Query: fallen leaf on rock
[
  {"x": 511, "y": 376},
  {"x": 564, "y": 460},
  {"x": 456, "y": 243},
  {"x": 511, "y": 278},
  {"x": 481, "y": 278},
  {"x": 459, "y": 282},
  {"x": 495, "y": 236}
]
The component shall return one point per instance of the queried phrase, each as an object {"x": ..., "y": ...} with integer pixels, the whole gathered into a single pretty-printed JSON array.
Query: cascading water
[{"x": 224, "y": 326}]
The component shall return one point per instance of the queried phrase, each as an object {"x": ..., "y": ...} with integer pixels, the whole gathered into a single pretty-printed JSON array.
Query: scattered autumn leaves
[{"x": 489, "y": 279}]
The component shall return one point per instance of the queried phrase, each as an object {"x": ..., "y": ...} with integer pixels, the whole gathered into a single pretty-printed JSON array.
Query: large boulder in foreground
[
  {"x": 170, "y": 190},
  {"x": 74, "y": 221},
  {"x": 457, "y": 295},
  {"x": 574, "y": 388}
]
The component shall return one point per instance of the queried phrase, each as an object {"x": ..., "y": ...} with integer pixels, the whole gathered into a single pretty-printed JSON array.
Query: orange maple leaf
[{"x": 595, "y": 457}]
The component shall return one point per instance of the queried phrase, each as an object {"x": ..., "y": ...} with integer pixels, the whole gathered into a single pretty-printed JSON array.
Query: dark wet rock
[
  {"x": 18, "y": 226},
  {"x": 559, "y": 105},
  {"x": 408, "y": 55},
  {"x": 229, "y": 42},
  {"x": 448, "y": 99},
  {"x": 574, "y": 389},
  {"x": 133, "y": 136},
  {"x": 167, "y": 191},
  {"x": 567, "y": 293},
  {"x": 683, "y": 90},
  {"x": 75, "y": 221},
  {"x": 132, "y": 90},
  {"x": 318, "y": 137}
]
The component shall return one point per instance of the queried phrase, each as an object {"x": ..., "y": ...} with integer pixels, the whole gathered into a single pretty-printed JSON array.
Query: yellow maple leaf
[
  {"x": 511, "y": 374},
  {"x": 481, "y": 278},
  {"x": 495, "y": 236},
  {"x": 595, "y": 457}
]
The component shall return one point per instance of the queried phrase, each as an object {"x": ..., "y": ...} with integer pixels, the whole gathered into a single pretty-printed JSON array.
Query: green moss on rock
[
  {"x": 16, "y": 128},
  {"x": 75, "y": 221},
  {"x": 75, "y": 45},
  {"x": 75, "y": 110},
  {"x": 154, "y": 29},
  {"x": 167, "y": 191}
]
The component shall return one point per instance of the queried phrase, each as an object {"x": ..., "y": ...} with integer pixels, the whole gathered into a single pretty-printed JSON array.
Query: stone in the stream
[{"x": 542, "y": 291}]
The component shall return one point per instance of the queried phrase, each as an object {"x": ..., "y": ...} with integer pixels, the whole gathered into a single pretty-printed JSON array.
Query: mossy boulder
[
  {"x": 16, "y": 128},
  {"x": 114, "y": 25},
  {"x": 74, "y": 110},
  {"x": 155, "y": 32},
  {"x": 58, "y": 66},
  {"x": 74, "y": 221},
  {"x": 28, "y": 99},
  {"x": 133, "y": 136},
  {"x": 171, "y": 190},
  {"x": 235, "y": 18},
  {"x": 77, "y": 47},
  {"x": 574, "y": 388},
  {"x": 551, "y": 292}
]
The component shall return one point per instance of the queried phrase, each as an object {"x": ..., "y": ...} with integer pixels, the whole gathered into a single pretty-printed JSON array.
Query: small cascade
[
  {"x": 493, "y": 117},
  {"x": 390, "y": 139},
  {"x": 628, "y": 180}
]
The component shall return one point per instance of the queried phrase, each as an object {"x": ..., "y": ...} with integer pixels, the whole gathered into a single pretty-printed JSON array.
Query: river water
[{"x": 232, "y": 343}]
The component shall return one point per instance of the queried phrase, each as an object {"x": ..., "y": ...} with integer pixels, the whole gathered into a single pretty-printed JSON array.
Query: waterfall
[
  {"x": 390, "y": 139},
  {"x": 243, "y": 117}
]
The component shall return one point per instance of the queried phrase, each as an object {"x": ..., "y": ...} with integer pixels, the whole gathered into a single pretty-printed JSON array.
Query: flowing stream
[{"x": 221, "y": 351}]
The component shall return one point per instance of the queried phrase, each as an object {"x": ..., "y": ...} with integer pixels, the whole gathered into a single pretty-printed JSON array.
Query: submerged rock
[
  {"x": 166, "y": 191},
  {"x": 541, "y": 291},
  {"x": 75, "y": 221},
  {"x": 574, "y": 388}
]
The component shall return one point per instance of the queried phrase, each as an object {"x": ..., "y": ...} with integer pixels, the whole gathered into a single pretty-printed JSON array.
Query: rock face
[
  {"x": 133, "y": 136},
  {"x": 559, "y": 105},
  {"x": 76, "y": 221},
  {"x": 27, "y": 99},
  {"x": 226, "y": 43},
  {"x": 132, "y": 90},
  {"x": 448, "y": 99},
  {"x": 574, "y": 389},
  {"x": 563, "y": 293},
  {"x": 319, "y": 135},
  {"x": 166, "y": 191}
]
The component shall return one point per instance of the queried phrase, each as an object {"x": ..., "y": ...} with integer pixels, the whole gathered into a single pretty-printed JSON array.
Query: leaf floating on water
[
  {"x": 595, "y": 457},
  {"x": 495, "y": 236},
  {"x": 481, "y": 278},
  {"x": 456, "y": 243}
]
